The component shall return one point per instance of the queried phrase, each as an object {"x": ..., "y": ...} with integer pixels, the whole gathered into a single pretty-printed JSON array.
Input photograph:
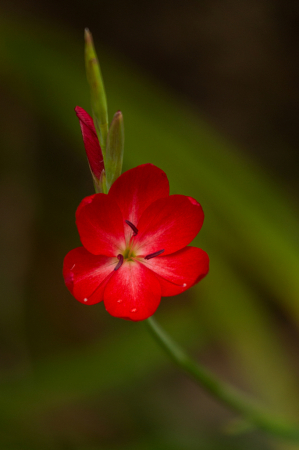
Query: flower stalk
[
  {"x": 228, "y": 395},
  {"x": 110, "y": 142}
]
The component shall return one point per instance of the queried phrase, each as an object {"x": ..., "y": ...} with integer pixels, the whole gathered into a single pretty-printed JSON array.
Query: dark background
[
  {"x": 209, "y": 92},
  {"x": 237, "y": 62}
]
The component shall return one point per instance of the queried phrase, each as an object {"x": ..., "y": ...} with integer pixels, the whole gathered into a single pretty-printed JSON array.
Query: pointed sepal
[{"x": 115, "y": 149}]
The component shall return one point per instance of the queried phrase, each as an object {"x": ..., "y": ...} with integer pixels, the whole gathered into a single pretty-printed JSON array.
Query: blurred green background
[{"x": 209, "y": 93}]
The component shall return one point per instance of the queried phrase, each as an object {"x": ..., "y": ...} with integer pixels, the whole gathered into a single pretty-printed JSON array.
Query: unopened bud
[
  {"x": 92, "y": 148},
  {"x": 98, "y": 96}
]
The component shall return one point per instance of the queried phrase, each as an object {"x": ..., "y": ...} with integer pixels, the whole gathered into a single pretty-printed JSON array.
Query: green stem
[{"x": 228, "y": 395}]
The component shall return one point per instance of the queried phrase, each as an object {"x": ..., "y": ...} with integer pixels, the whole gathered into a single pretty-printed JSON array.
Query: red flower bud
[{"x": 91, "y": 143}]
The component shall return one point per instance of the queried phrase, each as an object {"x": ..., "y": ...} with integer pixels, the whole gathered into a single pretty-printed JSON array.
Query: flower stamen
[
  {"x": 131, "y": 225},
  {"x": 153, "y": 255},
  {"x": 120, "y": 262}
]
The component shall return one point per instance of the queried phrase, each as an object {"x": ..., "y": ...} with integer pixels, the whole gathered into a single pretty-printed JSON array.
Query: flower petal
[
  {"x": 91, "y": 142},
  {"x": 179, "y": 271},
  {"x": 100, "y": 225},
  {"x": 170, "y": 224},
  {"x": 84, "y": 202},
  {"x": 86, "y": 275},
  {"x": 136, "y": 189},
  {"x": 133, "y": 292}
]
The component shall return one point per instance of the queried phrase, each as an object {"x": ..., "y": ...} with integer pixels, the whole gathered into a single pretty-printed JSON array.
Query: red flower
[{"x": 134, "y": 245}]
